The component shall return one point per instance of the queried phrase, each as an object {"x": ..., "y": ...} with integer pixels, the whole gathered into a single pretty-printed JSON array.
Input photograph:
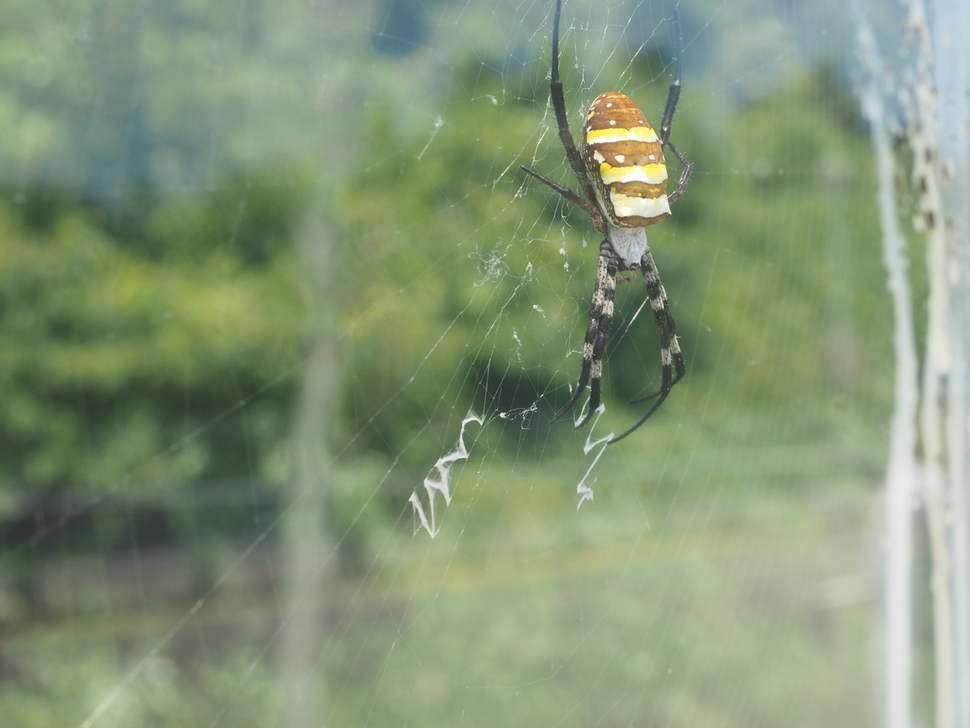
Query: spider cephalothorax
[{"x": 623, "y": 179}]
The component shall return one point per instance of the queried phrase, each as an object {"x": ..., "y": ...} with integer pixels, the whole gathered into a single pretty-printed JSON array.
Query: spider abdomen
[{"x": 625, "y": 159}]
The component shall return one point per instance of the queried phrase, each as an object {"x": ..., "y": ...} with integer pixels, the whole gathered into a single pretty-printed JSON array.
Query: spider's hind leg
[{"x": 569, "y": 195}]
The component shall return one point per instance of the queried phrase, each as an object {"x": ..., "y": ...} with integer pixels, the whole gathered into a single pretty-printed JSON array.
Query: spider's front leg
[
  {"x": 671, "y": 359},
  {"x": 600, "y": 318}
]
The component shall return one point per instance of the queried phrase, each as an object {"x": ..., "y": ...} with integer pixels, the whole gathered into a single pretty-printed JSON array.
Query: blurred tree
[
  {"x": 117, "y": 365},
  {"x": 138, "y": 322}
]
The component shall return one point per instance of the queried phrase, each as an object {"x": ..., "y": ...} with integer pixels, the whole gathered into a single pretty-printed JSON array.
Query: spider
[{"x": 623, "y": 180}]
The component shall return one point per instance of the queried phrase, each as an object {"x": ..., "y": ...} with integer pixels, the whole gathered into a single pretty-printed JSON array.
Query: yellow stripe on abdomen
[
  {"x": 614, "y": 134},
  {"x": 652, "y": 174},
  {"x": 647, "y": 208}
]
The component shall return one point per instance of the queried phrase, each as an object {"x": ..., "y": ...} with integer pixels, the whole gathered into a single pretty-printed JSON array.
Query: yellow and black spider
[{"x": 623, "y": 179}]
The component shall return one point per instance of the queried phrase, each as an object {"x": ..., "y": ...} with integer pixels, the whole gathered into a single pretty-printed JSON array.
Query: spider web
[{"x": 363, "y": 516}]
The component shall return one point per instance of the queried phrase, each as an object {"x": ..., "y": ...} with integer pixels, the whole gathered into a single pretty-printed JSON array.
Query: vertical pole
[
  {"x": 939, "y": 128},
  {"x": 951, "y": 74},
  {"x": 901, "y": 467},
  {"x": 307, "y": 553},
  {"x": 306, "y": 550}
]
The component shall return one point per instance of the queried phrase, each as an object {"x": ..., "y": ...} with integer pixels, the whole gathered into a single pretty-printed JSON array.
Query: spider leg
[
  {"x": 565, "y": 136},
  {"x": 600, "y": 318},
  {"x": 588, "y": 204},
  {"x": 567, "y": 193},
  {"x": 688, "y": 169},
  {"x": 673, "y": 96},
  {"x": 671, "y": 358}
]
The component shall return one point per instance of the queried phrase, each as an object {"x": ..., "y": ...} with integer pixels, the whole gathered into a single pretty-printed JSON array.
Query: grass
[{"x": 685, "y": 594}]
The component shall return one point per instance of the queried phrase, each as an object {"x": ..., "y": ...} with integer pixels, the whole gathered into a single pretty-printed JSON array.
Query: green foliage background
[{"x": 153, "y": 320}]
